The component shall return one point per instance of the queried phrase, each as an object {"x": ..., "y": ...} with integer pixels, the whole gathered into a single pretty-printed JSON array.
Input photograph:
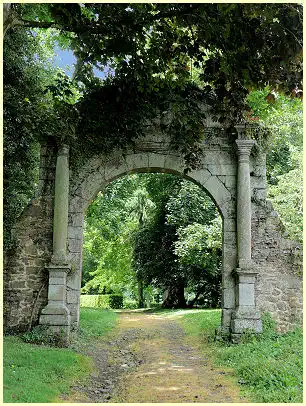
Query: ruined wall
[
  {"x": 25, "y": 277},
  {"x": 278, "y": 260}
]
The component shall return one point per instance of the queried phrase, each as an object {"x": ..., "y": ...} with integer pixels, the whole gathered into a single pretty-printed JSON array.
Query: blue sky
[{"x": 66, "y": 60}]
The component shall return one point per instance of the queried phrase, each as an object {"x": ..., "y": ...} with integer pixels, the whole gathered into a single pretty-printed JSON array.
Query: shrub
[
  {"x": 101, "y": 301},
  {"x": 115, "y": 301},
  {"x": 111, "y": 301},
  {"x": 268, "y": 327},
  {"x": 130, "y": 304}
]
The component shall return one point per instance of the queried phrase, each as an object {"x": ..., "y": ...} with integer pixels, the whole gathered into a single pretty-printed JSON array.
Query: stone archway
[
  {"x": 257, "y": 260},
  {"x": 217, "y": 175}
]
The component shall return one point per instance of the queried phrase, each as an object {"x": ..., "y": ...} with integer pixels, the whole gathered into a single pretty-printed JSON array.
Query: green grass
[
  {"x": 34, "y": 373},
  {"x": 269, "y": 369},
  {"x": 96, "y": 322}
]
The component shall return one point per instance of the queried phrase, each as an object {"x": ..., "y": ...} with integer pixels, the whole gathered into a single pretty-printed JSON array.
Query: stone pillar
[
  {"x": 245, "y": 314},
  {"x": 56, "y": 314}
]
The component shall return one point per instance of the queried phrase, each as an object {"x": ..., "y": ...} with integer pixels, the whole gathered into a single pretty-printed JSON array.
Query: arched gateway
[{"x": 259, "y": 265}]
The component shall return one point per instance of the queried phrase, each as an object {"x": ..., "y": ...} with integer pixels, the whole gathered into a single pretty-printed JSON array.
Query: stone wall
[
  {"x": 279, "y": 262},
  {"x": 25, "y": 277}
]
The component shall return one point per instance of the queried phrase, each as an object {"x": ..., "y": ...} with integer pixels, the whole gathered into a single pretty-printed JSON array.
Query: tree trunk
[
  {"x": 174, "y": 297},
  {"x": 193, "y": 301},
  {"x": 9, "y": 17},
  {"x": 140, "y": 294}
]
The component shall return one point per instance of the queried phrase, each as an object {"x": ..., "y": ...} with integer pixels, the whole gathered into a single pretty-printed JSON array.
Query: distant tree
[
  {"x": 283, "y": 116},
  {"x": 164, "y": 250},
  {"x": 27, "y": 72}
]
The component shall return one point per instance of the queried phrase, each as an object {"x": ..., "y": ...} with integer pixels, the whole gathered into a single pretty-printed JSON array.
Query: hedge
[{"x": 102, "y": 301}]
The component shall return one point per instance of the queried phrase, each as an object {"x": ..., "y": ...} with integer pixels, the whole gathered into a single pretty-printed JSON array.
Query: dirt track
[{"x": 148, "y": 358}]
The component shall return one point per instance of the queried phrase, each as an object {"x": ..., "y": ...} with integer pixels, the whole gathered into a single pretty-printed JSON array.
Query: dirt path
[{"x": 149, "y": 359}]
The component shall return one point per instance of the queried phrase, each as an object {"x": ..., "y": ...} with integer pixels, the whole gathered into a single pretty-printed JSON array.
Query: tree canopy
[{"x": 170, "y": 57}]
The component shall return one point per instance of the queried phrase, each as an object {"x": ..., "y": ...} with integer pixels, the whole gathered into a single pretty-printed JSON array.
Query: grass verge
[
  {"x": 269, "y": 368},
  {"x": 96, "y": 322},
  {"x": 39, "y": 373},
  {"x": 33, "y": 373}
]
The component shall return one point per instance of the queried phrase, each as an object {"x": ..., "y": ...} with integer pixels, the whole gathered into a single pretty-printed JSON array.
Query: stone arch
[
  {"x": 261, "y": 266},
  {"x": 99, "y": 172}
]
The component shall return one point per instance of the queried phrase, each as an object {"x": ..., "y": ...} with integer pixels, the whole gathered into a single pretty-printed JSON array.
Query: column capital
[
  {"x": 244, "y": 147},
  {"x": 245, "y": 275},
  {"x": 58, "y": 267},
  {"x": 63, "y": 150}
]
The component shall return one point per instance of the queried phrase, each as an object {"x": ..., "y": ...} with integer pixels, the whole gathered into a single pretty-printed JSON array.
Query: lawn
[
  {"x": 39, "y": 373},
  {"x": 269, "y": 369}
]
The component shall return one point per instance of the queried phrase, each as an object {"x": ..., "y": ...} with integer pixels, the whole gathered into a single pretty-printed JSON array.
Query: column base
[
  {"x": 222, "y": 334},
  {"x": 55, "y": 315},
  {"x": 243, "y": 319},
  {"x": 57, "y": 318}
]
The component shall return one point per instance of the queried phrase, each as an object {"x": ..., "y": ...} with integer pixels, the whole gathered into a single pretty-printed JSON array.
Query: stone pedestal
[
  {"x": 56, "y": 314},
  {"x": 245, "y": 315}
]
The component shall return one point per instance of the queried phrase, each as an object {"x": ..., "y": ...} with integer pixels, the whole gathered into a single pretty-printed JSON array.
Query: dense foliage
[
  {"x": 158, "y": 218},
  {"x": 25, "y": 121},
  {"x": 284, "y": 119},
  {"x": 170, "y": 57}
]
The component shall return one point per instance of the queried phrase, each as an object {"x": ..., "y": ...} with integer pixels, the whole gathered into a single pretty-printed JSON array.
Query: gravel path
[{"x": 148, "y": 358}]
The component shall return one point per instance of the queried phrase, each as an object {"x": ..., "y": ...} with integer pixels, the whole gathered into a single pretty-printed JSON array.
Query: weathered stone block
[
  {"x": 238, "y": 326},
  {"x": 136, "y": 161},
  {"x": 54, "y": 320},
  {"x": 247, "y": 279},
  {"x": 77, "y": 204},
  {"x": 156, "y": 160},
  {"x": 258, "y": 182},
  {"x": 74, "y": 280},
  {"x": 260, "y": 194},
  {"x": 230, "y": 237},
  {"x": 218, "y": 191},
  {"x": 200, "y": 175},
  {"x": 229, "y": 225},
  {"x": 75, "y": 233},
  {"x": 246, "y": 294},
  {"x": 56, "y": 281},
  {"x": 74, "y": 245},
  {"x": 230, "y": 181},
  {"x": 112, "y": 171},
  {"x": 72, "y": 296},
  {"x": 228, "y": 282},
  {"x": 75, "y": 219},
  {"x": 175, "y": 163},
  {"x": 222, "y": 169},
  {"x": 228, "y": 298},
  {"x": 56, "y": 292},
  {"x": 226, "y": 317}
]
